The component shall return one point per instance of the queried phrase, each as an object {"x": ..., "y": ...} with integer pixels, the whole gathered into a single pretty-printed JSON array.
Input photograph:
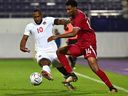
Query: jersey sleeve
[
  {"x": 51, "y": 19},
  {"x": 27, "y": 30}
]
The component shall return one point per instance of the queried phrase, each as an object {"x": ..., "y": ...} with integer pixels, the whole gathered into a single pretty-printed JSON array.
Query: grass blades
[{"x": 14, "y": 81}]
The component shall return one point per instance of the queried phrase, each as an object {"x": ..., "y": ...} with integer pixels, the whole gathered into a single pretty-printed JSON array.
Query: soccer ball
[{"x": 36, "y": 78}]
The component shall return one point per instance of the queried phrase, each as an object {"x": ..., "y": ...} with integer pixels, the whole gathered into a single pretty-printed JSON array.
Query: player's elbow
[{"x": 21, "y": 46}]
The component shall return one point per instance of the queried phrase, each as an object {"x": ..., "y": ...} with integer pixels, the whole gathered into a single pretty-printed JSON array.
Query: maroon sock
[
  {"x": 104, "y": 78},
  {"x": 64, "y": 61}
]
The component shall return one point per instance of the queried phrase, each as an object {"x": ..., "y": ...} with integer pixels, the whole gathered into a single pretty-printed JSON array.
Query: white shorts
[{"x": 49, "y": 55}]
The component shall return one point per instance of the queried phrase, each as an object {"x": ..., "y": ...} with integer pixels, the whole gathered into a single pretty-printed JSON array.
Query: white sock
[{"x": 46, "y": 68}]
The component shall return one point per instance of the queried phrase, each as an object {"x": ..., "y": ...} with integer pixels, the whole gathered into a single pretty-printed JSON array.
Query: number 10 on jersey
[{"x": 40, "y": 29}]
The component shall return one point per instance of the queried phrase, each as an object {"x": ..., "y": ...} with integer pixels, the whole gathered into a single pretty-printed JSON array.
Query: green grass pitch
[{"x": 14, "y": 81}]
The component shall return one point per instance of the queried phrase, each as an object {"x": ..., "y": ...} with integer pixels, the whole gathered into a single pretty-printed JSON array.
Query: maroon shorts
[{"x": 76, "y": 51}]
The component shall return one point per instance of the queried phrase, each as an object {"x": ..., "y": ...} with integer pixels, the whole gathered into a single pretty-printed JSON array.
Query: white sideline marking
[{"x": 98, "y": 81}]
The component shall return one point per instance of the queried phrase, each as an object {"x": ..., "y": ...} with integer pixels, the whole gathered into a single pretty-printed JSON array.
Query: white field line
[{"x": 98, "y": 81}]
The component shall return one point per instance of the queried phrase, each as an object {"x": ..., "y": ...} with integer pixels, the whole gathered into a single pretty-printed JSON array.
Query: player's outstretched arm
[
  {"x": 52, "y": 38},
  {"x": 61, "y": 21},
  {"x": 65, "y": 35},
  {"x": 23, "y": 44}
]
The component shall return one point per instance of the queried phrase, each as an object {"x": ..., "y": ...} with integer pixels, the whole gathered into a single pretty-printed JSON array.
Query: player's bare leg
[{"x": 46, "y": 72}]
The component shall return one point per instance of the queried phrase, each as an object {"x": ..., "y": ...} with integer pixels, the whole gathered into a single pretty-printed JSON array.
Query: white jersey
[{"x": 41, "y": 33}]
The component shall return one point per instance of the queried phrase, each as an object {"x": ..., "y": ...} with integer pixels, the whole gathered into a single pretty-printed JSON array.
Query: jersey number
[
  {"x": 88, "y": 51},
  {"x": 40, "y": 29}
]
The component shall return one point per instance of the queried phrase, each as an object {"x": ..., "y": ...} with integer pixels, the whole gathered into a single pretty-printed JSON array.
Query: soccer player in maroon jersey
[{"x": 86, "y": 43}]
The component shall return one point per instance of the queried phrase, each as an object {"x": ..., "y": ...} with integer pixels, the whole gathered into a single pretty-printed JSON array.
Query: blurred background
[{"x": 109, "y": 19}]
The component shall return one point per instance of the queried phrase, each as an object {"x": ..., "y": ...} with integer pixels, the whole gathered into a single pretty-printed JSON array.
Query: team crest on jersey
[{"x": 44, "y": 22}]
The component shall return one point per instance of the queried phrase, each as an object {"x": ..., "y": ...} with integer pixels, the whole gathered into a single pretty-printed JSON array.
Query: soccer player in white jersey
[{"x": 41, "y": 30}]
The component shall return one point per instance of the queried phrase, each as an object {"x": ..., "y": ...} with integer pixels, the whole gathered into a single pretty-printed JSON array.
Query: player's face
[
  {"x": 70, "y": 10},
  {"x": 37, "y": 17}
]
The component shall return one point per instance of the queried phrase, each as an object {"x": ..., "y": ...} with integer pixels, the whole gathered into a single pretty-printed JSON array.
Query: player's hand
[
  {"x": 52, "y": 38},
  {"x": 66, "y": 28},
  {"x": 25, "y": 50}
]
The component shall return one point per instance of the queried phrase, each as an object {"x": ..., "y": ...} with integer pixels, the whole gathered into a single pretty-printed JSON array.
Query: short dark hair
[
  {"x": 73, "y": 3},
  {"x": 37, "y": 10}
]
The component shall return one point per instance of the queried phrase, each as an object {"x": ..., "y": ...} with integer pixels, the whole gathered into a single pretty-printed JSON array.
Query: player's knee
[
  {"x": 93, "y": 64},
  {"x": 95, "y": 69},
  {"x": 44, "y": 61}
]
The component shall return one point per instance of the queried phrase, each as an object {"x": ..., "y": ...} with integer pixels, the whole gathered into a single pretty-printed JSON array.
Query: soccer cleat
[
  {"x": 47, "y": 75},
  {"x": 71, "y": 78},
  {"x": 68, "y": 85},
  {"x": 113, "y": 89}
]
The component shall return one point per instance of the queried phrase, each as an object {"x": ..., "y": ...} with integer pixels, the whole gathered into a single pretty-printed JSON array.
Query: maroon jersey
[{"x": 86, "y": 35}]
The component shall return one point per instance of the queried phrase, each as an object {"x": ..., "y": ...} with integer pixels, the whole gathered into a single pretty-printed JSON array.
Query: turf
[{"x": 14, "y": 81}]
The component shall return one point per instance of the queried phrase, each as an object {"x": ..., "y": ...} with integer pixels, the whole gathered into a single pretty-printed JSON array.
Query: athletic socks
[
  {"x": 46, "y": 68},
  {"x": 64, "y": 61},
  {"x": 104, "y": 78},
  {"x": 62, "y": 70}
]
